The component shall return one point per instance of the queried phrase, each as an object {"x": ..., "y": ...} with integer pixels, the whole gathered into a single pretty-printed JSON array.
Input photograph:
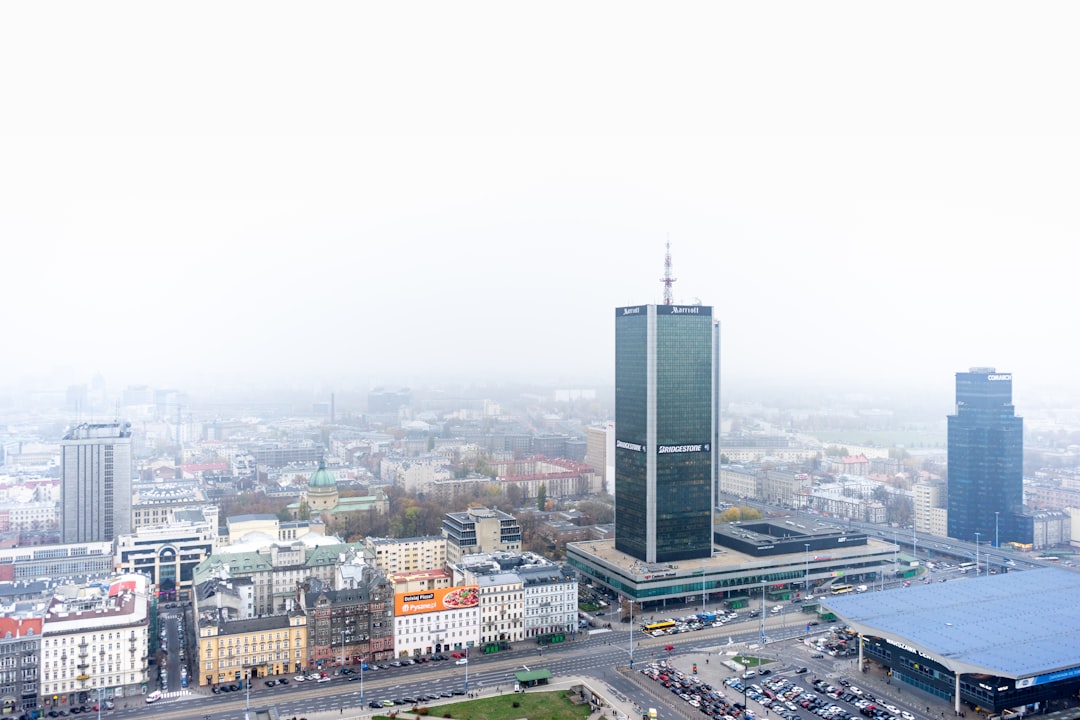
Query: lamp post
[
  {"x": 977, "y": 553},
  {"x": 806, "y": 578},
  {"x": 247, "y": 692},
  {"x": 997, "y": 543},
  {"x": 362, "y": 661},
  {"x": 466, "y": 669},
  {"x": 343, "y": 651},
  {"x": 101, "y": 683},
  {"x": 703, "y": 609}
]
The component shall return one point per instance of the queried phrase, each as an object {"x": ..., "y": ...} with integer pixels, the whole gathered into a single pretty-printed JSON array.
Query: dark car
[
  {"x": 458, "y": 692},
  {"x": 817, "y": 656},
  {"x": 800, "y": 671},
  {"x": 283, "y": 681},
  {"x": 216, "y": 690},
  {"x": 375, "y": 704},
  {"x": 270, "y": 683}
]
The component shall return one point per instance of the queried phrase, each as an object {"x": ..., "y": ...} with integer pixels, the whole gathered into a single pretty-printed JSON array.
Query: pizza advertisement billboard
[{"x": 426, "y": 601}]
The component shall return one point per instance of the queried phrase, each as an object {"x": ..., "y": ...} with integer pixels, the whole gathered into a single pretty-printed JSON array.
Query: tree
[
  {"x": 514, "y": 496},
  {"x": 541, "y": 497}
]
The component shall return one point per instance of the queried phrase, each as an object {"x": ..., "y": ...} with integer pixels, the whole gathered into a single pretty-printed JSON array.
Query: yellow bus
[
  {"x": 842, "y": 589},
  {"x": 663, "y": 626}
]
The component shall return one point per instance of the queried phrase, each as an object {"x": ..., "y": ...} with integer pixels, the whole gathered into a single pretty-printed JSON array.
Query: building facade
[
  {"x": 20, "y": 653},
  {"x": 351, "y": 624},
  {"x": 230, "y": 650},
  {"x": 986, "y": 452},
  {"x": 398, "y": 555},
  {"x": 664, "y": 422},
  {"x": 95, "y": 641},
  {"x": 168, "y": 554},
  {"x": 95, "y": 472}
]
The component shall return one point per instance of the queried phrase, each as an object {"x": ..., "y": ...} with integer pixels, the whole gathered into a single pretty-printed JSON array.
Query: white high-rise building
[{"x": 95, "y": 483}]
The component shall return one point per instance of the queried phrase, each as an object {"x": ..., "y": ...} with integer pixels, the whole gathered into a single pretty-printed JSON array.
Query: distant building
[
  {"x": 930, "y": 503},
  {"x": 478, "y": 530},
  {"x": 55, "y": 562},
  {"x": 156, "y": 503},
  {"x": 95, "y": 462},
  {"x": 560, "y": 478},
  {"x": 322, "y": 499},
  {"x": 986, "y": 453}
]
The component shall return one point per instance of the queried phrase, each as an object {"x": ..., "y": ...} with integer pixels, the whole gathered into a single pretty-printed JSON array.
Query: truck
[
  {"x": 860, "y": 588},
  {"x": 706, "y": 617}
]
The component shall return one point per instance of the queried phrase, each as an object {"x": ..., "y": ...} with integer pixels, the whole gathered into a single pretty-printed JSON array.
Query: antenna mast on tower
[{"x": 668, "y": 280}]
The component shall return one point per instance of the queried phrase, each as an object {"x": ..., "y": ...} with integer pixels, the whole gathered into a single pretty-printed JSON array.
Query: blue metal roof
[{"x": 1016, "y": 625}]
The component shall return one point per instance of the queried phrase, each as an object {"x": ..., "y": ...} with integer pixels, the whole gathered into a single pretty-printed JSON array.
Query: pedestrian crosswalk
[{"x": 175, "y": 693}]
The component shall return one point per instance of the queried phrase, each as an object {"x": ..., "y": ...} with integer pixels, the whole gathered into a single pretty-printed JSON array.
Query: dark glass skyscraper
[
  {"x": 986, "y": 448},
  {"x": 664, "y": 420}
]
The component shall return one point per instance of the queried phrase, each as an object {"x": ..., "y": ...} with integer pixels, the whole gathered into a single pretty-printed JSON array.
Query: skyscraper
[
  {"x": 986, "y": 448},
  {"x": 664, "y": 422},
  {"x": 95, "y": 483}
]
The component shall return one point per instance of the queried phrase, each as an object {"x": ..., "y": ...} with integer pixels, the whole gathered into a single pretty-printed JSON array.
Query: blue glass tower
[
  {"x": 664, "y": 431},
  {"x": 986, "y": 448}
]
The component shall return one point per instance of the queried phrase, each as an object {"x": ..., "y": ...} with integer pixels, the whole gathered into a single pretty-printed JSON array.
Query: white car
[
  {"x": 906, "y": 715},
  {"x": 462, "y": 661},
  {"x": 323, "y": 679},
  {"x": 299, "y": 678}
]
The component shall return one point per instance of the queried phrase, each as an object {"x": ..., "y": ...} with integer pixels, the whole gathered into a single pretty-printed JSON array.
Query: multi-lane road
[{"x": 596, "y": 655}]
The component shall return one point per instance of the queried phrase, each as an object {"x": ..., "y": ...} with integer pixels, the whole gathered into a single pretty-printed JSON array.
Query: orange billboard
[{"x": 425, "y": 601}]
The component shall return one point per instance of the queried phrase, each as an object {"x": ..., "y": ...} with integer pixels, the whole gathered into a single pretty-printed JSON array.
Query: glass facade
[
  {"x": 663, "y": 432},
  {"x": 986, "y": 448}
]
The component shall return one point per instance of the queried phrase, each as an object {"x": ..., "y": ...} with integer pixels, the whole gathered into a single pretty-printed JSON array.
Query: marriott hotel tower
[{"x": 666, "y": 361}]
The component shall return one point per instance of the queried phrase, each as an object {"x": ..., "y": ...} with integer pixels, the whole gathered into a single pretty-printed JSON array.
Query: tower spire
[{"x": 668, "y": 280}]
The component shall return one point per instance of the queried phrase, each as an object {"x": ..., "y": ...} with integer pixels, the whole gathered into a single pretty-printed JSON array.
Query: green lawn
[
  {"x": 749, "y": 661},
  {"x": 533, "y": 704}
]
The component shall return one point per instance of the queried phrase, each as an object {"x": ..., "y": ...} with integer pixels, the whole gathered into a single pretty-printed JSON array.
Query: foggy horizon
[{"x": 871, "y": 222}]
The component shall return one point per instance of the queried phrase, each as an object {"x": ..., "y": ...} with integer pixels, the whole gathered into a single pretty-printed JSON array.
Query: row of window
[{"x": 252, "y": 659}]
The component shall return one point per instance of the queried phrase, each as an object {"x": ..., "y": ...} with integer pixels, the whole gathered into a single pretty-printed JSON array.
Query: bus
[
  {"x": 965, "y": 566},
  {"x": 663, "y": 626},
  {"x": 842, "y": 589}
]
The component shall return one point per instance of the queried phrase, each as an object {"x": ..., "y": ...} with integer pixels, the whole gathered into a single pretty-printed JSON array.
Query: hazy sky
[{"x": 357, "y": 194}]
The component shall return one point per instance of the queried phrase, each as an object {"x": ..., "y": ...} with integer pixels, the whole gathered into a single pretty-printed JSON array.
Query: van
[
  {"x": 652, "y": 713},
  {"x": 153, "y": 697}
]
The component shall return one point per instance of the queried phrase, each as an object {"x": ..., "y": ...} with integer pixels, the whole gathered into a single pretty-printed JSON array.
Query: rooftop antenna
[{"x": 668, "y": 280}]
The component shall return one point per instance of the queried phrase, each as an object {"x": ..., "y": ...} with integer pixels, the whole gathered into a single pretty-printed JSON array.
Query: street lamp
[
  {"x": 362, "y": 661},
  {"x": 997, "y": 543},
  {"x": 466, "y": 669},
  {"x": 703, "y": 609},
  {"x": 342, "y": 651},
  {"x": 806, "y": 580},
  {"x": 977, "y": 553},
  {"x": 101, "y": 683}
]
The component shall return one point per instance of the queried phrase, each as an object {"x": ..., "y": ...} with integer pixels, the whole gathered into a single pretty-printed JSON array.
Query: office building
[
  {"x": 986, "y": 448},
  {"x": 665, "y": 357},
  {"x": 95, "y": 485},
  {"x": 480, "y": 529}
]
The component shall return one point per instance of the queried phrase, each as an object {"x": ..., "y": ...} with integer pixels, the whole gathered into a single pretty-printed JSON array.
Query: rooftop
[{"x": 1015, "y": 625}]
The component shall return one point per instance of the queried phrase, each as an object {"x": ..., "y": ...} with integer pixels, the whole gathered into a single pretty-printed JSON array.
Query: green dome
[{"x": 322, "y": 477}]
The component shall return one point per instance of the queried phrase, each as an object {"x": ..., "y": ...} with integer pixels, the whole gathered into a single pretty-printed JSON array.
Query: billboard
[{"x": 452, "y": 598}]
